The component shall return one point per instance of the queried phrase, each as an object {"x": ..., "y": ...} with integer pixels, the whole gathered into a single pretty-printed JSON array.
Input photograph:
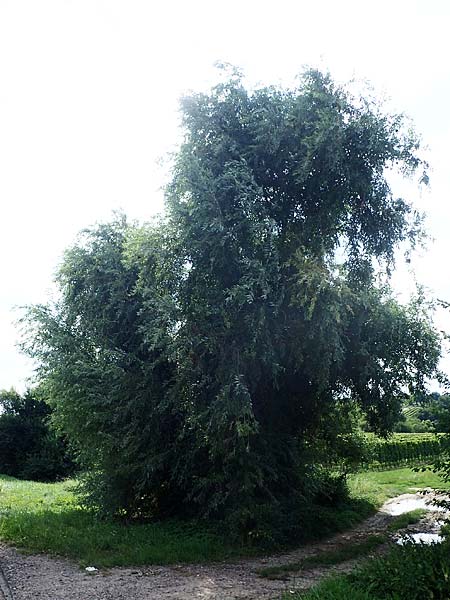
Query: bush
[
  {"x": 410, "y": 572},
  {"x": 414, "y": 571}
]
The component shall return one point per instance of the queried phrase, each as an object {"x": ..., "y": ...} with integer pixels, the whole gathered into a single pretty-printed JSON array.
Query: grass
[
  {"x": 334, "y": 588},
  {"x": 410, "y": 572},
  {"x": 39, "y": 517},
  {"x": 407, "y": 572},
  {"x": 409, "y": 518},
  {"x": 326, "y": 558},
  {"x": 378, "y": 486},
  {"x": 349, "y": 551}
]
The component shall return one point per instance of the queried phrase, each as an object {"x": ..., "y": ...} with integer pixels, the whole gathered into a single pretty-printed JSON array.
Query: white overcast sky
[{"x": 89, "y": 93}]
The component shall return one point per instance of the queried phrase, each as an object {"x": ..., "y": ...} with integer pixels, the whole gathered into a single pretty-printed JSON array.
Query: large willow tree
[{"x": 196, "y": 362}]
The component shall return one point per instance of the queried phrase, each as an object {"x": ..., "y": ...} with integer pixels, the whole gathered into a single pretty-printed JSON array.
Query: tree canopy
[{"x": 198, "y": 361}]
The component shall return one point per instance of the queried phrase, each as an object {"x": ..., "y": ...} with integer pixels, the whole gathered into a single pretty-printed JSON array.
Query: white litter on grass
[
  {"x": 421, "y": 538},
  {"x": 90, "y": 569}
]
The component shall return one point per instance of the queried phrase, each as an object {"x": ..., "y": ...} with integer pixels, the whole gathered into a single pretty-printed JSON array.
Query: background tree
[
  {"x": 29, "y": 447},
  {"x": 425, "y": 413},
  {"x": 199, "y": 362}
]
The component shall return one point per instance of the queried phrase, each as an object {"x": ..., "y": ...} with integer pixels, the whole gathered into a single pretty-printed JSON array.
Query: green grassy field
[
  {"x": 378, "y": 486},
  {"x": 39, "y": 517}
]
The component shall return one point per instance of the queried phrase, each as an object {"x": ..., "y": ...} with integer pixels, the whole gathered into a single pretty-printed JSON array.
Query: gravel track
[
  {"x": 5, "y": 590},
  {"x": 40, "y": 577}
]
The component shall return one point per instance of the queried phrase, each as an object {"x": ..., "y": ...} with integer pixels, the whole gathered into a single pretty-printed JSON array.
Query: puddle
[
  {"x": 408, "y": 502},
  {"x": 421, "y": 538}
]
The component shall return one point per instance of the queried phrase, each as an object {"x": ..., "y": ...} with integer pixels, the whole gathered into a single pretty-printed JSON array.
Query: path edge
[{"x": 5, "y": 590}]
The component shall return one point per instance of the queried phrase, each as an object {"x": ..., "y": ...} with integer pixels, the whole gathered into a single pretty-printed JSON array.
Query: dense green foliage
[
  {"x": 441, "y": 464},
  {"x": 29, "y": 447},
  {"x": 200, "y": 363},
  {"x": 425, "y": 414},
  {"x": 411, "y": 421},
  {"x": 410, "y": 572},
  {"x": 404, "y": 448}
]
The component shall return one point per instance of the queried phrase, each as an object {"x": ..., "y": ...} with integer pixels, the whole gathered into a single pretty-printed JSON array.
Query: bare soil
[{"x": 40, "y": 577}]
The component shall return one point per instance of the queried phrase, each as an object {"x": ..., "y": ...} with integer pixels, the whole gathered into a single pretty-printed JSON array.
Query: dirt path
[
  {"x": 5, "y": 590},
  {"x": 39, "y": 577}
]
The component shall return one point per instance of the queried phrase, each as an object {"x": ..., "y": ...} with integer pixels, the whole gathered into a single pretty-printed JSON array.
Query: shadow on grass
[
  {"x": 45, "y": 518},
  {"x": 328, "y": 520},
  {"x": 80, "y": 535}
]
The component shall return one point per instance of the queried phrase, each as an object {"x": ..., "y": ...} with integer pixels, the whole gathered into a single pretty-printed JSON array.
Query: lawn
[
  {"x": 39, "y": 517},
  {"x": 378, "y": 486},
  {"x": 43, "y": 517}
]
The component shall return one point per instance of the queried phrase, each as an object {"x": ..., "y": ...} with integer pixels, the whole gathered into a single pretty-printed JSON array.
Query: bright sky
[{"x": 89, "y": 93}]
